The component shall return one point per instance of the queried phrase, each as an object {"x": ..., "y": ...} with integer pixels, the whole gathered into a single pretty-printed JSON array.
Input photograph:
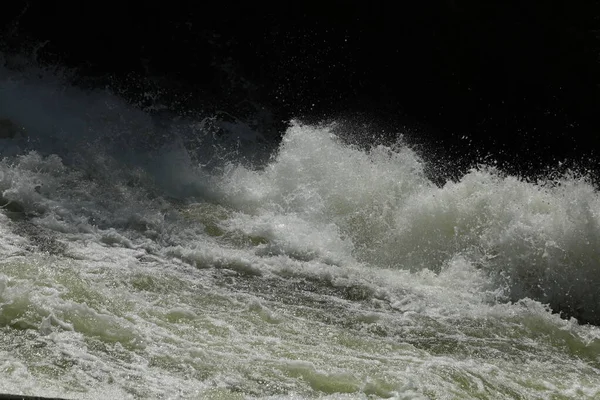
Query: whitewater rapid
[{"x": 145, "y": 260}]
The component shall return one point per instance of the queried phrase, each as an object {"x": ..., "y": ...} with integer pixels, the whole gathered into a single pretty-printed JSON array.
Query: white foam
[{"x": 333, "y": 271}]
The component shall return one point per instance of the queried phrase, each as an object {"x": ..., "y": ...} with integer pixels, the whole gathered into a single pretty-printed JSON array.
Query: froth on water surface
[
  {"x": 533, "y": 240},
  {"x": 171, "y": 269}
]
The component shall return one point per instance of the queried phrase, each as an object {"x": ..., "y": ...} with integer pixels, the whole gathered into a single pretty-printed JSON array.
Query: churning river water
[{"x": 176, "y": 270}]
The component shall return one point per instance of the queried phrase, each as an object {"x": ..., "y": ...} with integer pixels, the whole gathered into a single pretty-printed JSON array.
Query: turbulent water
[{"x": 133, "y": 266}]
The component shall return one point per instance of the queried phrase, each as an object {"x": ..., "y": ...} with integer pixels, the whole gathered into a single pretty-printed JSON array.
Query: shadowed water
[{"x": 175, "y": 269}]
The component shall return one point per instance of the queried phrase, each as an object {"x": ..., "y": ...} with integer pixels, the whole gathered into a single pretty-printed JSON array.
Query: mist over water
[{"x": 146, "y": 257}]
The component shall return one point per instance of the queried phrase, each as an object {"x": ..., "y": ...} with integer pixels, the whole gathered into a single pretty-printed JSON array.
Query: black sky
[{"x": 519, "y": 80}]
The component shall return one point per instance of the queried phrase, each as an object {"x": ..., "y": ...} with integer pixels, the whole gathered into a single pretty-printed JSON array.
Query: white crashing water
[{"x": 331, "y": 272}]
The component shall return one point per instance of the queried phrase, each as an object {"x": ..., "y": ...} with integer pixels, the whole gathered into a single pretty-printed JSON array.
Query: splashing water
[{"x": 140, "y": 267}]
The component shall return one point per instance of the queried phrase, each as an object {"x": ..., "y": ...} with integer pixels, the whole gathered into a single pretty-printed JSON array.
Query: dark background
[{"x": 516, "y": 80}]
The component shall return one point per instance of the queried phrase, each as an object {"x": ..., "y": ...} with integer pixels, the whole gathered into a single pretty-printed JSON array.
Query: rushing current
[{"x": 146, "y": 259}]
